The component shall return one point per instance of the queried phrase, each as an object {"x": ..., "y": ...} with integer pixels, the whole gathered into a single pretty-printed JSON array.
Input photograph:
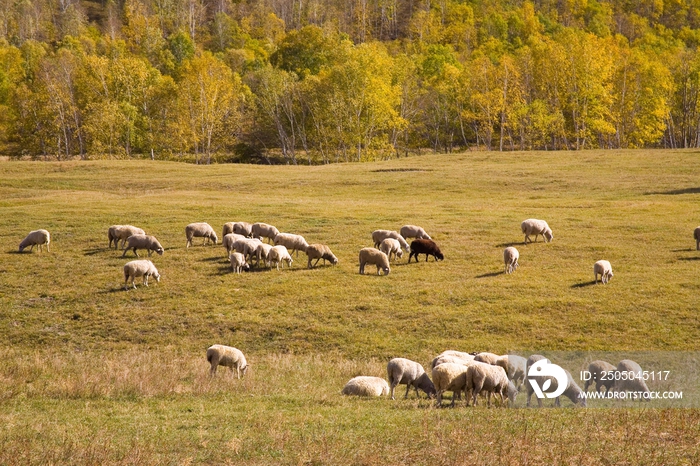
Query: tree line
[{"x": 318, "y": 81}]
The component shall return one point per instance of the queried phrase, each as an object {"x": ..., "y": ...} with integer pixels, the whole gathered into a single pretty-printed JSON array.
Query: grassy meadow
[{"x": 93, "y": 374}]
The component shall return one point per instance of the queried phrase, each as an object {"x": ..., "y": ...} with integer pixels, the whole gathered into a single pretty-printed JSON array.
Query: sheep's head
[
  {"x": 157, "y": 277},
  {"x": 214, "y": 238},
  {"x": 386, "y": 270},
  {"x": 439, "y": 255},
  {"x": 159, "y": 251},
  {"x": 548, "y": 235}
]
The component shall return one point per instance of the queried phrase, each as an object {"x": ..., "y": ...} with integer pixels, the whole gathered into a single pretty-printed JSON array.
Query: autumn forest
[{"x": 318, "y": 81}]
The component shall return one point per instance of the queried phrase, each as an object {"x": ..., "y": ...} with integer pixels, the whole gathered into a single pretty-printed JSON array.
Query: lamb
[
  {"x": 318, "y": 252},
  {"x": 122, "y": 232},
  {"x": 485, "y": 377},
  {"x": 292, "y": 242},
  {"x": 696, "y": 235},
  {"x": 238, "y": 262},
  {"x": 602, "y": 372},
  {"x": 427, "y": 247},
  {"x": 36, "y": 238},
  {"x": 228, "y": 356},
  {"x": 228, "y": 241},
  {"x": 532, "y": 226},
  {"x": 200, "y": 230},
  {"x": 604, "y": 269},
  {"x": 364, "y": 385},
  {"x": 139, "y": 268},
  {"x": 380, "y": 235},
  {"x": 404, "y": 371},
  {"x": 374, "y": 257},
  {"x": 633, "y": 382},
  {"x": 391, "y": 246},
  {"x": 148, "y": 242},
  {"x": 413, "y": 231},
  {"x": 263, "y": 230},
  {"x": 278, "y": 254},
  {"x": 450, "y": 377},
  {"x": 510, "y": 259},
  {"x": 240, "y": 228},
  {"x": 458, "y": 357}
]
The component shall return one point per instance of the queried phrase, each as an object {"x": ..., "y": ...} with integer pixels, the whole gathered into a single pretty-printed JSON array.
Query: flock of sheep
[{"x": 453, "y": 371}]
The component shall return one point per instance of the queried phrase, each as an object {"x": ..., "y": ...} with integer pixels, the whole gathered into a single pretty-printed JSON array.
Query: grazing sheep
[
  {"x": 374, "y": 257},
  {"x": 364, "y": 385},
  {"x": 597, "y": 370},
  {"x": 539, "y": 380},
  {"x": 200, "y": 230},
  {"x": 250, "y": 249},
  {"x": 532, "y": 226},
  {"x": 262, "y": 253},
  {"x": 278, "y": 254},
  {"x": 481, "y": 376},
  {"x": 148, "y": 242},
  {"x": 318, "y": 252},
  {"x": 452, "y": 356},
  {"x": 512, "y": 392},
  {"x": 634, "y": 382},
  {"x": 427, "y": 247},
  {"x": 514, "y": 367},
  {"x": 292, "y": 242},
  {"x": 139, "y": 268},
  {"x": 450, "y": 377},
  {"x": 36, "y": 238},
  {"x": 228, "y": 241},
  {"x": 510, "y": 259},
  {"x": 413, "y": 231},
  {"x": 263, "y": 230},
  {"x": 238, "y": 262},
  {"x": 573, "y": 392},
  {"x": 240, "y": 228},
  {"x": 404, "y": 371},
  {"x": 380, "y": 235},
  {"x": 696, "y": 235},
  {"x": 233, "y": 358},
  {"x": 121, "y": 233},
  {"x": 391, "y": 246},
  {"x": 604, "y": 269}
]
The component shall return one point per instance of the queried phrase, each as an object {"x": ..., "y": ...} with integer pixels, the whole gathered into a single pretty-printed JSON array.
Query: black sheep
[{"x": 427, "y": 247}]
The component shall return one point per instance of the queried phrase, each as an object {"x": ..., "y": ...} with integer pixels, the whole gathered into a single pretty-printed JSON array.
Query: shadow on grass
[
  {"x": 675, "y": 192},
  {"x": 689, "y": 258},
  {"x": 214, "y": 259},
  {"x": 491, "y": 274},
  {"x": 95, "y": 251},
  {"x": 507, "y": 245},
  {"x": 683, "y": 250},
  {"x": 583, "y": 284}
]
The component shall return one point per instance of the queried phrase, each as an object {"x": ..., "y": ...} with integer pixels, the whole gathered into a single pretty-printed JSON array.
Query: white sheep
[
  {"x": 139, "y": 268},
  {"x": 404, "y": 371},
  {"x": 200, "y": 230},
  {"x": 413, "y": 231},
  {"x": 278, "y": 254},
  {"x": 510, "y": 259},
  {"x": 364, "y": 385},
  {"x": 532, "y": 226},
  {"x": 228, "y": 241},
  {"x": 380, "y": 235},
  {"x": 292, "y": 242},
  {"x": 262, "y": 253},
  {"x": 631, "y": 379},
  {"x": 450, "y": 377},
  {"x": 604, "y": 269},
  {"x": 148, "y": 242},
  {"x": 488, "y": 358},
  {"x": 481, "y": 377},
  {"x": 240, "y": 228},
  {"x": 318, "y": 252},
  {"x": 374, "y": 257},
  {"x": 391, "y": 246},
  {"x": 251, "y": 248},
  {"x": 696, "y": 235},
  {"x": 602, "y": 372},
  {"x": 121, "y": 233},
  {"x": 36, "y": 238},
  {"x": 512, "y": 392},
  {"x": 514, "y": 366},
  {"x": 228, "y": 356},
  {"x": 459, "y": 357},
  {"x": 263, "y": 230},
  {"x": 238, "y": 262},
  {"x": 573, "y": 392}
]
